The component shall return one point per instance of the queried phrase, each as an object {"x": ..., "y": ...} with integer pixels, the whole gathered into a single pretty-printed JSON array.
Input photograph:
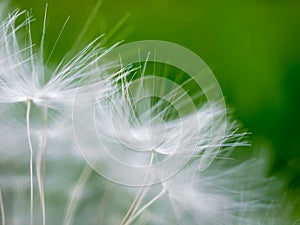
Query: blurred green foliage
[{"x": 252, "y": 47}]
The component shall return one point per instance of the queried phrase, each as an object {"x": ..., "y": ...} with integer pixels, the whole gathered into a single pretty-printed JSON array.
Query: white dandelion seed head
[
  {"x": 151, "y": 122},
  {"x": 23, "y": 73}
]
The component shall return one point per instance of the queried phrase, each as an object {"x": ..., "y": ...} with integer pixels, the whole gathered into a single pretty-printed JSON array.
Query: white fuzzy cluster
[{"x": 41, "y": 181}]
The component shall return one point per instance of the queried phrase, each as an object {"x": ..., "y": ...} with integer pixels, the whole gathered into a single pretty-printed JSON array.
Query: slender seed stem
[
  {"x": 2, "y": 208},
  {"x": 39, "y": 164},
  {"x": 133, "y": 207},
  {"x": 137, "y": 205},
  {"x": 103, "y": 205},
  {"x": 153, "y": 155},
  {"x": 132, "y": 218},
  {"x": 31, "y": 157},
  {"x": 85, "y": 174},
  {"x": 138, "y": 198}
]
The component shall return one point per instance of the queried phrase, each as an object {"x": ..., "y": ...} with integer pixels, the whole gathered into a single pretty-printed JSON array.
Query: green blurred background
[{"x": 251, "y": 46}]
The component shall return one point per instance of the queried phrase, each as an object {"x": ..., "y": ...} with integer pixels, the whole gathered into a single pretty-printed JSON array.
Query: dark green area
[{"x": 251, "y": 46}]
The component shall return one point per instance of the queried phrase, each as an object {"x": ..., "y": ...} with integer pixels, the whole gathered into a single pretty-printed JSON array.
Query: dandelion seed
[{"x": 23, "y": 80}]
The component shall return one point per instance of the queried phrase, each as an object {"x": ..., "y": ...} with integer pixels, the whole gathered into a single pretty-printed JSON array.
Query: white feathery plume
[
  {"x": 215, "y": 196},
  {"x": 23, "y": 75},
  {"x": 24, "y": 79},
  {"x": 134, "y": 130},
  {"x": 211, "y": 198}
]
